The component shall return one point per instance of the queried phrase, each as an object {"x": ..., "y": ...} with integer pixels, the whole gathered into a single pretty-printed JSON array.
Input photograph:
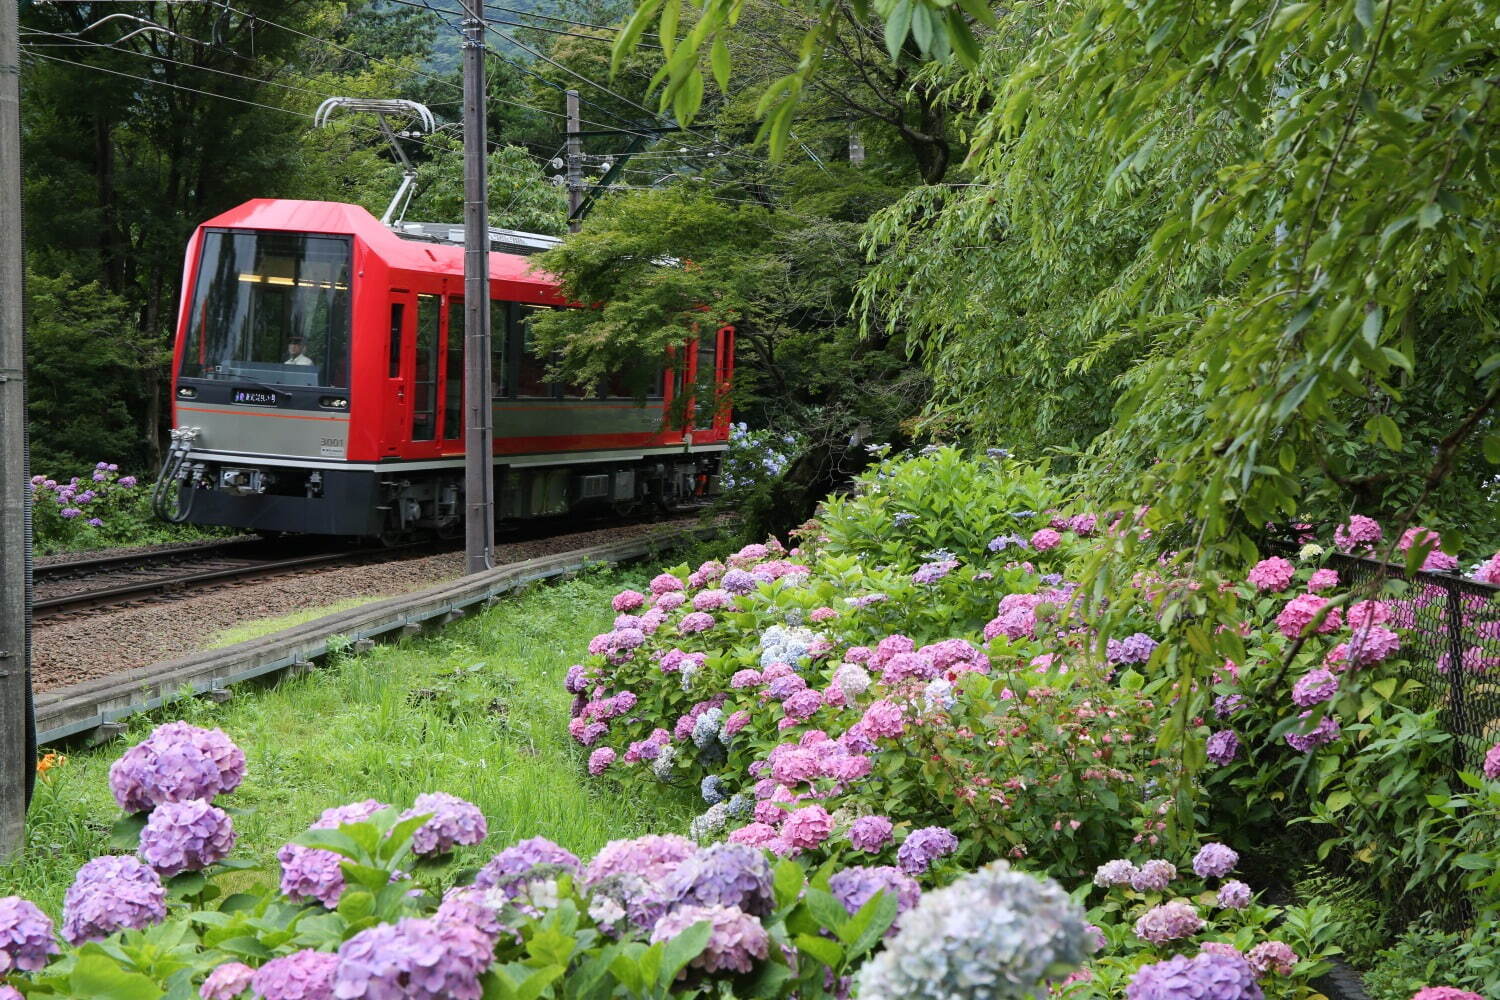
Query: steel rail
[
  {"x": 96, "y": 706},
  {"x": 95, "y": 564}
]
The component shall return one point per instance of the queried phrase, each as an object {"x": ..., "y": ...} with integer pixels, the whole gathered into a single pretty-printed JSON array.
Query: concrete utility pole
[
  {"x": 575, "y": 163},
  {"x": 16, "y": 733},
  {"x": 479, "y": 459}
]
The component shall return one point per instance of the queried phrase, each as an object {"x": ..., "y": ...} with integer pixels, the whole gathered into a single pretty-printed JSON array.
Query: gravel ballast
[{"x": 71, "y": 650}]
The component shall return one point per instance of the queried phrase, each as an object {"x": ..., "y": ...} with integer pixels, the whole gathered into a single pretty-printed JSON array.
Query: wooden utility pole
[
  {"x": 16, "y": 732},
  {"x": 479, "y": 459},
  {"x": 575, "y": 163}
]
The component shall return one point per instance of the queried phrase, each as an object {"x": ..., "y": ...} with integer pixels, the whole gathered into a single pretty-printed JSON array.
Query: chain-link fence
[{"x": 1450, "y": 640}]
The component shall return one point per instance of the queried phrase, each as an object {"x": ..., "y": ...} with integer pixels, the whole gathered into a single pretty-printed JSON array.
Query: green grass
[
  {"x": 245, "y": 631},
  {"x": 478, "y": 711}
]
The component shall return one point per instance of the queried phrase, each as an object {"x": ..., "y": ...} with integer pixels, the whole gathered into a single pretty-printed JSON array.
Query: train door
[
  {"x": 426, "y": 367},
  {"x": 453, "y": 377},
  {"x": 397, "y": 402},
  {"x": 705, "y": 376}
]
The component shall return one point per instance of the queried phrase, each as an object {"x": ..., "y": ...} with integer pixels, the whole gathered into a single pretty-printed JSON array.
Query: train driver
[{"x": 294, "y": 354}]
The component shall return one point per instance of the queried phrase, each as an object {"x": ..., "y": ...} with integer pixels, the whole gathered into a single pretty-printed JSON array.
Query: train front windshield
[{"x": 270, "y": 307}]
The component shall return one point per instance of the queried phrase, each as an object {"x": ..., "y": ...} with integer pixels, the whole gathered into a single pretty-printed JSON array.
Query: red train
[{"x": 318, "y": 384}]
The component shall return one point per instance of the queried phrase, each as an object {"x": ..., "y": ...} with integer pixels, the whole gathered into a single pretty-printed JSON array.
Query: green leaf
[
  {"x": 667, "y": 27},
  {"x": 99, "y": 977},
  {"x": 689, "y": 97},
  {"x": 1364, "y": 13},
  {"x": 787, "y": 881},
  {"x": 631, "y": 35},
  {"x": 719, "y": 60},
  {"x": 923, "y": 28},
  {"x": 125, "y": 835},
  {"x": 681, "y": 950},
  {"x": 825, "y": 951},
  {"x": 897, "y": 25},
  {"x": 329, "y": 840},
  {"x": 1491, "y": 446},
  {"x": 964, "y": 43},
  {"x": 246, "y": 946},
  {"x": 981, "y": 12},
  {"x": 1429, "y": 215},
  {"x": 1339, "y": 800},
  {"x": 1384, "y": 428},
  {"x": 1488, "y": 366}
]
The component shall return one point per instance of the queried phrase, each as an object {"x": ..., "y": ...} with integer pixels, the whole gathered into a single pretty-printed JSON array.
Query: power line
[
  {"x": 548, "y": 17},
  {"x": 164, "y": 83}
]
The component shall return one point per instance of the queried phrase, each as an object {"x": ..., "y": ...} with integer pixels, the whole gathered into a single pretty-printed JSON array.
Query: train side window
[
  {"x": 531, "y": 377},
  {"x": 424, "y": 382},
  {"x": 398, "y": 320},
  {"x": 453, "y": 377}
]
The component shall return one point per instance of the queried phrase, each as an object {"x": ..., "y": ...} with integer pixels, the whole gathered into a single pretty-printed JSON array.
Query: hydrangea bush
[{"x": 924, "y": 660}]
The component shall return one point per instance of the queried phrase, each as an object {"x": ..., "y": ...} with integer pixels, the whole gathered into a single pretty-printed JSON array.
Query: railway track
[
  {"x": 87, "y": 586},
  {"x": 94, "y": 707}
]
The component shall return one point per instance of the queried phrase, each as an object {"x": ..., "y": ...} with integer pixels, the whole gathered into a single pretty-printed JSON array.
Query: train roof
[{"x": 418, "y": 246}]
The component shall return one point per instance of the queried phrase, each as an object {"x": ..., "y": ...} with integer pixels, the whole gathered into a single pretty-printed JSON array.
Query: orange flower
[{"x": 49, "y": 762}]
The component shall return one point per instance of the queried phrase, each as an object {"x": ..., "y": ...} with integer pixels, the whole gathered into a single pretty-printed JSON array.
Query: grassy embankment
[{"x": 478, "y": 711}]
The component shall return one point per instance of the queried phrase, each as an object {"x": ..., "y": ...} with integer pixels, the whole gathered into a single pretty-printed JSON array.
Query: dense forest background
[{"x": 1238, "y": 260}]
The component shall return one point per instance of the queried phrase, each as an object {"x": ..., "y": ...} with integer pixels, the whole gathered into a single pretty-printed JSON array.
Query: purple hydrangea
[
  {"x": 802, "y": 705},
  {"x": 302, "y": 975},
  {"x": 509, "y": 868},
  {"x": 25, "y": 936},
  {"x": 10, "y": 993},
  {"x": 1223, "y": 747},
  {"x": 1215, "y": 860},
  {"x": 736, "y": 939},
  {"x": 934, "y": 571},
  {"x": 723, "y": 875},
  {"x": 112, "y": 893},
  {"x": 738, "y": 581},
  {"x": 415, "y": 959},
  {"x": 1272, "y": 956},
  {"x": 473, "y": 907},
  {"x": 785, "y": 686},
  {"x": 310, "y": 873},
  {"x": 186, "y": 836},
  {"x": 1153, "y": 876},
  {"x": 857, "y": 885},
  {"x": 1118, "y": 872},
  {"x": 695, "y": 621},
  {"x": 1134, "y": 648},
  {"x": 227, "y": 981},
  {"x": 652, "y": 857},
  {"x": 1205, "y": 976},
  {"x": 454, "y": 823},
  {"x": 1314, "y": 688},
  {"x": 1234, "y": 895},
  {"x": 1326, "y": 731},
  {"x": 922, "y": 847},
  {"x": 870, "y": 834},
  {"x": 176, "y": 762},
  {"x": 577, "y": 680},
  {"x": 1169, "y": 922},
  {"x": 1225, "y": 705}
]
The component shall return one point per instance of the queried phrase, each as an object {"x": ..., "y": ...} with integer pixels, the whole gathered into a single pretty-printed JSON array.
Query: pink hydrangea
[
  {"x": 1359, "y": 535},
  {"x": 1314, "y": 688},
  {"x": 628, "y": 600},
  {"x": 755, "y": 834},
  {"x": 1367, "y": 613},
  {"x": 1490, "y": 571},
  {"x": 807, "y": 827},
  {"x": 1323, "y": 579},
  {"x": 791, "y": 764},
  {"x": 1045, "y": 539},
  {"x": 665, "y": 582},
  {"x": 1436, "y": 561},
  {"x": 1301, "y": 610},
  {"x": 1372, "y": 645},
  {"x": 600, "y": 759},
  {"x": 870, "y": 834},
  {"x": 1444, "y": 993},
  {"x": 819, "y": 615},
  {"x": 227, "y": 981},
  {"x": 736, "y": 722},
  {"x": 1492, "y": 763},
  {"x": 883, "y": 719},
  {"x": 736, "y": 939},
  {"x": 302, "y": 975},
  {"x": 1169, "y": 922},
  {"x": 697, "y": 621},
  {"x": 1272, "y": 574},
  {"x": 1272, "y": 957},
  {"x": 671, "y": 600}
]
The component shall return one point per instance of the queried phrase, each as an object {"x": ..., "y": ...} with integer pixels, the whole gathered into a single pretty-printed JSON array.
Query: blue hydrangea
[
  {"x": 995, "y": 934},
  {"x": 712, "y": 789},
  {"x": 706, "y": 727}
]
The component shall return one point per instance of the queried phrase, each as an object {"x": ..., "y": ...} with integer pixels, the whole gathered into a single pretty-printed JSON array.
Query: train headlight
[
  {"x": 334, "y": 402},
  {"x": 186, "y": 392}
]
